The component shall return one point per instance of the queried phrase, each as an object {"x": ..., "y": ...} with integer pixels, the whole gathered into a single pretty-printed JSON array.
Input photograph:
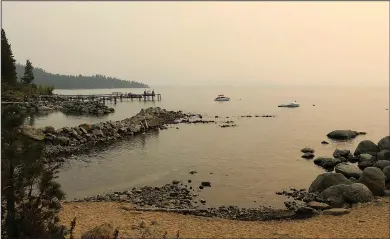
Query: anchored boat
[{"x": 222, "y": 98}]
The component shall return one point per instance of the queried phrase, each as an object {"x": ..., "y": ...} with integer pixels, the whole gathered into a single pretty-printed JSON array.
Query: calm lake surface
[{"x": 245, "y": 164}]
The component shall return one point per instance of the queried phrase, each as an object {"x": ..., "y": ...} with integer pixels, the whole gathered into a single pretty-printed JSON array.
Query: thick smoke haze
[{"x": 206, "y": 43}]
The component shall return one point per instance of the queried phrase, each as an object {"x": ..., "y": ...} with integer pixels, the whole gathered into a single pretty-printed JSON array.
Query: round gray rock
[
  {"x": 340, "y": 195},
  {"x": 382, "y": 164},
  {"x": 384, "y": 143},
  {"x": 384, "y": 155},
  {"x": 334, "y": 195},
  {"x": 366, "y": 147},
  {"x": 358, "y": 193},
  {"x": 374, "y": 179},
  {"x": 326, "y": 180},
  {"x": 348, "y": 170}
]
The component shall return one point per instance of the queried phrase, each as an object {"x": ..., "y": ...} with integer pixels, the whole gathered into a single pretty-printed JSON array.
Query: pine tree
[
  {"x": 8, "y": 69},
  {"x": 28, "y": 76},
  {"x": 30, "y": 196}
]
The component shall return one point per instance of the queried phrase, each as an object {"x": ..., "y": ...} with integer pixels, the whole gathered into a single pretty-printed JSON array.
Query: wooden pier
[{"x": 113, "y": 97}]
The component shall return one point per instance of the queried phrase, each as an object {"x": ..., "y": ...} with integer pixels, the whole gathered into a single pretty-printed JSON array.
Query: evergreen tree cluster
[
  {"x": 78, "y": 82},
  {"x": 8, "y": 69},
  {"x": 30, "y": 196}
]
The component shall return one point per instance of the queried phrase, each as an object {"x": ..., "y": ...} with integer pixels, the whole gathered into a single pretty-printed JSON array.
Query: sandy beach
[{"x": 365, "y": 221}]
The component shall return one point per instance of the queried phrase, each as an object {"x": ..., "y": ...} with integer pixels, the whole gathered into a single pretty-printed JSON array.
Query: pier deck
[{"x": 99, "y": 97}]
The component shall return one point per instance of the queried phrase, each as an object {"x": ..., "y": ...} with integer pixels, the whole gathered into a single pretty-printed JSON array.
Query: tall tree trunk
[{"x": 12, "y": 227}]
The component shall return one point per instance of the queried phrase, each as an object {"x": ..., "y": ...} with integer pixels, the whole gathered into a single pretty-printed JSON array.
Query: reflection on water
[{"x": 248, "y": 163}]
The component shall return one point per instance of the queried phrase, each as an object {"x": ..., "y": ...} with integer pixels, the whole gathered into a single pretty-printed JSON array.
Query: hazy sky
[{"x": 205, "y": 42}]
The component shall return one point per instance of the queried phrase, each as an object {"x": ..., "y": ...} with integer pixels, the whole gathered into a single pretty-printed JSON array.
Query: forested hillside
[{"x": 78, "y": 82}]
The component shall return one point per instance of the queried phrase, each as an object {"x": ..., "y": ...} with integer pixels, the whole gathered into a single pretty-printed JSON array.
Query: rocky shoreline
[
  {"x": 332, "y": 193},
  {"x": 180, "y": 198}
]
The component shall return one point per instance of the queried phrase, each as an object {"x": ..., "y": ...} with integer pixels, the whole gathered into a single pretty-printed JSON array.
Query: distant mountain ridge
[{"x": 78, "y": 82}]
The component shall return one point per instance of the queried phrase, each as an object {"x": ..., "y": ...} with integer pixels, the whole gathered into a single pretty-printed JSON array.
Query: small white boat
[
  {"x": 290, "y": 105},
  {"x": 222, "y": 98}
]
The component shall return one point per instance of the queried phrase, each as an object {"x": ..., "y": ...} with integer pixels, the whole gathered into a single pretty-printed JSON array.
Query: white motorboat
[
  {"x": 290, "y": 105},
  {"x": 222, "y": 98}
]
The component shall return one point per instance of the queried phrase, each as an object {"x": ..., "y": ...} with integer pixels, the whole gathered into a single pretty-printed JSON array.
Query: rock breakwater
[
  {"x": 80, "y": 139},
  {"x": 67, "y": 107}
]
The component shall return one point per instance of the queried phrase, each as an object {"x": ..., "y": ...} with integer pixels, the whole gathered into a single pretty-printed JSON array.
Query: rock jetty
[
  {"x": 80, "y": 139},
  {"x": 67, "y": 107}
]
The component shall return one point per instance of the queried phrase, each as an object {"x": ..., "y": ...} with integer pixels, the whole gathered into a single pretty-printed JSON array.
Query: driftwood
[{"x": 165, "y": 210}]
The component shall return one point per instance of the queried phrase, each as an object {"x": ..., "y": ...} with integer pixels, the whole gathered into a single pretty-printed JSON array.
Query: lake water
[{"x": 244, "y": 164}]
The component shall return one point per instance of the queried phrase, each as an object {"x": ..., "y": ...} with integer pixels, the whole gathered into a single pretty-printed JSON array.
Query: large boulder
[
  {"x": 348, "y": 170},
  {"x": 340, "y": 195},
  {"x": 33, "y": 133},
  {"x": 342, "y": 134},
  {"x": 334, "y": 195},
  {"x": 382, "y": 164},
  {"x": 384, "y": 155},
  {"x": 358, "y": 193},
  {"x": 325, "y": 180},
  {"x": 366, "y": 147},
  {"x": 386, "y": 172},
  {"x": 374, "y": 179},
  {"x": 384, "y": 143}
]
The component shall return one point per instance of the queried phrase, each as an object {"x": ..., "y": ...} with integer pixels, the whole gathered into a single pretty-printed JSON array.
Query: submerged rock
[{"x": 342, "y": 134}]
